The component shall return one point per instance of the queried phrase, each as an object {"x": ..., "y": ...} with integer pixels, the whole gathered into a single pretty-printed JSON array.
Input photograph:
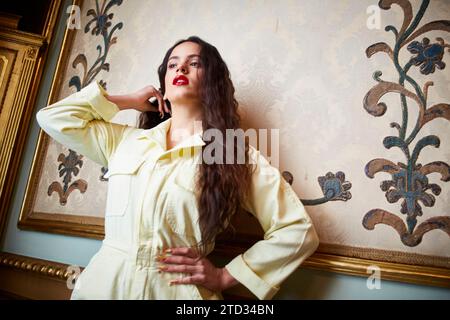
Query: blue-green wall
[{"x": 303, "y": 284}]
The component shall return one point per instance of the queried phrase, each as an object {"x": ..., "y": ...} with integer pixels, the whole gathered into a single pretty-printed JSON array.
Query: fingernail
[
  {"x": 162, "y": 268},
  {"x": 160, "y": 257},
  {"x": 168, "y": 250}
]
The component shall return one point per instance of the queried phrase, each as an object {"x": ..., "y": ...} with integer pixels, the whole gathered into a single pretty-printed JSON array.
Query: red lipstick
[{"x": 180, "y": 80}]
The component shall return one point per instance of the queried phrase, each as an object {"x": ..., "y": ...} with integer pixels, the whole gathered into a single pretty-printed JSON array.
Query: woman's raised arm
[{"x": 81, "y": 122}]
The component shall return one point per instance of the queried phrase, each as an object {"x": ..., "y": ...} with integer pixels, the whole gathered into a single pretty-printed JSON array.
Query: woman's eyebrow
[{"x": 189, "y": 56}]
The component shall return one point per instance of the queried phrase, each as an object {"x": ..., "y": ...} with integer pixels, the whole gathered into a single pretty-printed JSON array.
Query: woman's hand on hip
[{"x": 201, "y": 270}]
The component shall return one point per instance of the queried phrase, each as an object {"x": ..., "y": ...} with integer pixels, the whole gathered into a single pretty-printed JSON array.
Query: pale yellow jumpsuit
[{"x": 151, "y": 206}]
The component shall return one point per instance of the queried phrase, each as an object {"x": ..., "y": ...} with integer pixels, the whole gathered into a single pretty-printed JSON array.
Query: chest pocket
[
  {"x": 120, "y": 173},
  {"x": 182, "y": 214}
]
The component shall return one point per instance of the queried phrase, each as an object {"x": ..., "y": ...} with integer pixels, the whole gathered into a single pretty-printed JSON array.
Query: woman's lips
[{"x": 180, "y": 81}]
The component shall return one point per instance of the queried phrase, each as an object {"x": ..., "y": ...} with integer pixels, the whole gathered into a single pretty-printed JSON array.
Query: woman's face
[{"x": 184, "y": 60}]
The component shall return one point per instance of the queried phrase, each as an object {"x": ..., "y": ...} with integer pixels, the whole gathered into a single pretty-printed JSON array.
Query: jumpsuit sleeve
[
  {"x": 81, "y": 122},
  {"x": 289, "y": 234}
]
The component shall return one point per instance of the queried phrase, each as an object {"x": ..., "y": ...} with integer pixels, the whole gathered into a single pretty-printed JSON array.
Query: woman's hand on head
[
  {"x": 142, "y": 103},
  {"x": 202, "y": 271},
  {"x": 139, "y": 100}
]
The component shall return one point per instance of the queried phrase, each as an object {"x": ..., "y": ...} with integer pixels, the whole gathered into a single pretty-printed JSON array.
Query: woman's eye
[{"x": 171, "y": 65}]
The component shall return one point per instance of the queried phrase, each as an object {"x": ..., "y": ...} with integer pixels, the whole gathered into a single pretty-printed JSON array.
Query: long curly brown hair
[{"x": 223, "y": 186}]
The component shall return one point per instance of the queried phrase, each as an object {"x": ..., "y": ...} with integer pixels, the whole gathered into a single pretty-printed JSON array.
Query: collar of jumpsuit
[{"x": 158, "y": 134}]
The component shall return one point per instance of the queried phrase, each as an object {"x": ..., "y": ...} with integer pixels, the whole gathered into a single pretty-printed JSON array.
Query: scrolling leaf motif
[{"x": 409, "y": 181}]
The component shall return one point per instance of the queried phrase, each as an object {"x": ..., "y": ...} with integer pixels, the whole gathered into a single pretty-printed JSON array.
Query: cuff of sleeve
[
  {"x": 239, "y": 269},
  {"x": 95, "y": 94}
]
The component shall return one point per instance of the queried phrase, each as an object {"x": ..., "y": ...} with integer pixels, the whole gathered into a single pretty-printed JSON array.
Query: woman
[{"x": 165, "y": 203}]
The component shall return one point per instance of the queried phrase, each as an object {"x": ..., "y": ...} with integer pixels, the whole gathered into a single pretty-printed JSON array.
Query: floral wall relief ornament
[
  {"x": 102, "y": 20},
  {"x": 70, "y": 164},
  {"x": 334, "y": 188},
  {"x": 409, "y": 182}
]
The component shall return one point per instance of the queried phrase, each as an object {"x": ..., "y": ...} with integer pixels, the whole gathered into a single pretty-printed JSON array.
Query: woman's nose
[{"x": 182, "y": 69}]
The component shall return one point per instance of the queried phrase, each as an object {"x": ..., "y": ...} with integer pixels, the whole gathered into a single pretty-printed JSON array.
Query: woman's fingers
[
  {"x": 142, "y": 97},
  {"x": 160, "y": 104},
  {"x": 186, "y": 268},
  {"x": 180, "y": 255},
  {"x": 194, "y": 279},
  {"x": 166, "y": 107},
  {"x": 157, "y": 95},
  {"x": 187, "y": 260},
  {"x": 161, "y": 112},
  {"x": 147, "y": 106},
  {"x": 163, "y": 103},
  {"x": 178, "y": 260},
  {"x": 183, "y": 251}
]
